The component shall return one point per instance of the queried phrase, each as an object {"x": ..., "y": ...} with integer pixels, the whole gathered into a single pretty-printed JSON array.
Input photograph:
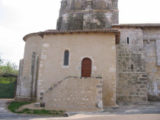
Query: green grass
[
  {"x": 14, "y": 106},
  {"x": 43, "y": 112}
]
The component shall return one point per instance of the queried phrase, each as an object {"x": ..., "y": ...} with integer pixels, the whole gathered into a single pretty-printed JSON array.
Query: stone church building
[{"x": 90, "y": 62}]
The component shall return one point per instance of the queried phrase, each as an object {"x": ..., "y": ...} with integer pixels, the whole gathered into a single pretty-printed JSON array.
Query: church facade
[{"x": 90, "y": 61}]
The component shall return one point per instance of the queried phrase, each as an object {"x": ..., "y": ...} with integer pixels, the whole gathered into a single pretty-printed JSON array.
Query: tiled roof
[
  {"x": 147, "y": 25},
  {"x": 48, "y": 32}
]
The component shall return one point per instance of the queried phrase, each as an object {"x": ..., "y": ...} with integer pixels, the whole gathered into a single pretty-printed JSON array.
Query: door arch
[{"x": 86, "y": 67}]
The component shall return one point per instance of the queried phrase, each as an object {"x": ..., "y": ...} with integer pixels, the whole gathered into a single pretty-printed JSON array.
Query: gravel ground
[{"x": 132, "y": 112}]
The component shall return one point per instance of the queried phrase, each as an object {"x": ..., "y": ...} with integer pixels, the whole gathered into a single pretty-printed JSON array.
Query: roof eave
[{"x": 53, "y": 32}]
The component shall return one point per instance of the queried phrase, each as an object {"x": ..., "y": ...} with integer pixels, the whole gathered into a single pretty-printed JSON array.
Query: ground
[{"x": 132, "y": 112}]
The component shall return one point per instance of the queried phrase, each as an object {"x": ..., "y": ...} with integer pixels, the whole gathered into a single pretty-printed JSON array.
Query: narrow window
[
  {"x": 132, "y": 67},
  {"x": 127, "y": 40},
  {"x": 66, "y": 58},
  {"x": 86, "y": 67}
]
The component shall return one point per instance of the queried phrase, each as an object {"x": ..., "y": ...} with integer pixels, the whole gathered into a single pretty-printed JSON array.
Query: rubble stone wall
[
  {"x": 131, "y": 77},
  {"x": 87, "y": 14},
  {"x": 151, "y": 52}
]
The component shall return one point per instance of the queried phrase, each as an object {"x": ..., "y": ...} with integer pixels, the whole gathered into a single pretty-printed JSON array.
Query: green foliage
[
  {"x": 7, "y": 87},
  {"x": 14, "y": 106},
  {"x": 7, "y": 80},
  {"x": 1, "y": 61},
  {"x": 8, "y": 68}
]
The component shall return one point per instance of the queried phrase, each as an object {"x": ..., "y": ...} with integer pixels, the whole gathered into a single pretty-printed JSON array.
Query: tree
[
  {"x": 1, "y": 61},
  {"x": 8, "y": 68}
]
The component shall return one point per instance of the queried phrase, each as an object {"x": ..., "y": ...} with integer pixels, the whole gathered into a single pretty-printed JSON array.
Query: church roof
[
  {"x": 147, "y": 25},
  {"x": 49, "y": 32}
]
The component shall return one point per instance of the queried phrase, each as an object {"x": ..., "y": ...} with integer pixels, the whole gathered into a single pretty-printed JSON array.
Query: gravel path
[
  {"x": 132, "y": 112},
  {"x": 108, "y": 117}
]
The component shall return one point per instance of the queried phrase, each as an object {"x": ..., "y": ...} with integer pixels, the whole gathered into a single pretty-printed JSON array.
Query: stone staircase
[{"x": 51, "y": 88}]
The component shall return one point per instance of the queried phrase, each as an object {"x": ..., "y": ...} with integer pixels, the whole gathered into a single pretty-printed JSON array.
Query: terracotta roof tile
[
  {"x": 48, "y": 32},
  {"x": 147, "y": 25}
]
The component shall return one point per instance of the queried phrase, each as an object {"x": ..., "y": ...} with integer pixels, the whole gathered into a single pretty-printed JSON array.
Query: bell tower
[{"x": 87, "y": 14}]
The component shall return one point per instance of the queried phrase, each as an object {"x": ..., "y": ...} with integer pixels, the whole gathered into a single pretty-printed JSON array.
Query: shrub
[{"x": 7, "y": 87}]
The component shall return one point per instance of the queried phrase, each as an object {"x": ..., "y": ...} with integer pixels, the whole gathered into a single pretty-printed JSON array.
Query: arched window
[
  {"x": 66, "y": 58},
  {"x": 86, "y": 67}
]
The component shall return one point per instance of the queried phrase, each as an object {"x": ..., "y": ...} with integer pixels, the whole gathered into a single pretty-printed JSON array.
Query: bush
[
  {"x": 7, "y": 87},
  {"x": 7, "y": 80}
]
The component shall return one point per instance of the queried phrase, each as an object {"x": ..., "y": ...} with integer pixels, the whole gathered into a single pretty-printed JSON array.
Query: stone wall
[
  {"x": 87, "y": 14},
  {"x": 19, "y": 80},
  {"x": 27, "y": 80},
  {"x": 99, "y": 47},
  {"x": 138, "y": 61},
  {"x": 131, "y": 77},
  {"x": 151, "y": 52},
  {"x": 75, "y": 94}
]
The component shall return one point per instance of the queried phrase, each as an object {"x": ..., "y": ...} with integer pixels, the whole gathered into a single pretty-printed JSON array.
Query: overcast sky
[{"x": 20, "y": 17}]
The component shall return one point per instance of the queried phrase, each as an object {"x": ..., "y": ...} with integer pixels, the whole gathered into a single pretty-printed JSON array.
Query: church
[{"x": 90, "y": 61}]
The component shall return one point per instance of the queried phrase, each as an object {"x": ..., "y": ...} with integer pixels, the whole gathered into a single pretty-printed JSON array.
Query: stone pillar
[
  {"x": 158, "y": 51},
  {"x": 34, "y": 75},
  {"x": 19, "y": 79}
]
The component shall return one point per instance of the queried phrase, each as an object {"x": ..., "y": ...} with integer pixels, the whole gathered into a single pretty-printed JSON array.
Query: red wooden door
[{"x": 86, "y": 67}]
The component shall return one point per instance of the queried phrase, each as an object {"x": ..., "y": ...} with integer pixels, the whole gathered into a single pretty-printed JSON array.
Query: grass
[
  {"x": 14, "y": 106},
  {"x": 44, "y": 112}
]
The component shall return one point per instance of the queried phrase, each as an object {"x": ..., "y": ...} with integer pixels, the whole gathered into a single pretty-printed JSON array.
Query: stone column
[
  {"x": 34, "y": 74},
  {"x": 19, "y": 79}
]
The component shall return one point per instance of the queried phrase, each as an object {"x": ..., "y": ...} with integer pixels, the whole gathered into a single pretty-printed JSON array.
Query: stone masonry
[
  {"x": 87, "y": 14},
  {"x": 79, "y": 94},
  {"x": 131, "y": 76},
  {"x": 137, "y": 58}
]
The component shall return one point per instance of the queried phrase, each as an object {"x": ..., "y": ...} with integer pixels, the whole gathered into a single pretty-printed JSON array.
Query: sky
[{"x": 20, "y": 17}]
